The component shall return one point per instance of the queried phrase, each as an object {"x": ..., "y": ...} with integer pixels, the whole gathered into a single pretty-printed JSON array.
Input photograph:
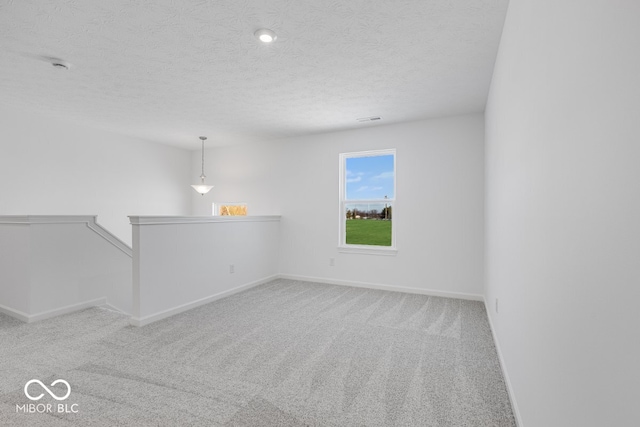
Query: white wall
[
  {"x": 70, "y": 264},
  {"x": 182, "y": 262},
  {"x": 15, "y": 260},
  {"x": 52, "y": 265},
  {"x": 52, "y": 167},
  {"x": 563, "y": 210},
  {"x": 438, "y": 214}
]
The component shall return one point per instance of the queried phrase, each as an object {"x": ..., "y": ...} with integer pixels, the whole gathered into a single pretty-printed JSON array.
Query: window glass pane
[
  {"x": 369, "y": 177},
  {"x": 368, "y": 224}
]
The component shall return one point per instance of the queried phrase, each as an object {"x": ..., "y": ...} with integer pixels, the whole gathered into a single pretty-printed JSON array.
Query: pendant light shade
[{"x": 202, "y": 188}]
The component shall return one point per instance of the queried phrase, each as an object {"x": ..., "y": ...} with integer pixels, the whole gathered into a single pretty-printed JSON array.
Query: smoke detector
[{"x": 59, "y": 63}]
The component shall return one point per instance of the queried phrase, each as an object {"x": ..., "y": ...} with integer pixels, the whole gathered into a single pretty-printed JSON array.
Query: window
[{"x": 367, "y": 200}]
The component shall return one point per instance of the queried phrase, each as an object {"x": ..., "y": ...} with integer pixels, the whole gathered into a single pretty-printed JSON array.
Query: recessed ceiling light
[{"x": 265, "y": 35}]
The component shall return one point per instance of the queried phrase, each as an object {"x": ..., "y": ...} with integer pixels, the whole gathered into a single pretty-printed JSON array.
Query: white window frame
[{"x": 343, "y": 247}]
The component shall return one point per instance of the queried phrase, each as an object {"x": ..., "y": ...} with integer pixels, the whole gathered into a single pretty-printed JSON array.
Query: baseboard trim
[
  {"x": 431, "y": 292},
  {"x": 505, "y": 374},
  {"x": 67, "y": 309},
  {"x": 30, "y": 318},
  {"x": 142, "y": 321},
  {"x": 16, "y": 314},
  {"x": 115, "y": 309}
]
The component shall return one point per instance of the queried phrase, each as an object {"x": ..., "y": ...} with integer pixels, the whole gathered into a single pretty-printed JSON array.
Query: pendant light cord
[{"x": 202, "y": 176}]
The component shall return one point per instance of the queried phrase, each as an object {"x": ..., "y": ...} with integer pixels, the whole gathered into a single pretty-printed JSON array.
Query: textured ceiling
[{"x": 170, "y": 70}]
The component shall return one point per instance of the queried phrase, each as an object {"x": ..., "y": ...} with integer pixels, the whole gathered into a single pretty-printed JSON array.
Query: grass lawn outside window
[{"x": 368, "y": 232}]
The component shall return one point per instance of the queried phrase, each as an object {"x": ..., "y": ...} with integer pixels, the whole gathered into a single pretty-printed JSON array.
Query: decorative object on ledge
[
  {"x": 202, "y": 188},
  {"x": 230, "y": 209}
]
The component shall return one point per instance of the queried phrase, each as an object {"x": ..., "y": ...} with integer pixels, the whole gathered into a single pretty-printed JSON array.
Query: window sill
[{"x": 367, "y": 250}]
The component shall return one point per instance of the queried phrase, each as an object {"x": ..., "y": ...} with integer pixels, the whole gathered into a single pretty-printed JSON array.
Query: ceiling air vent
[{"x": 368, "y": 119}]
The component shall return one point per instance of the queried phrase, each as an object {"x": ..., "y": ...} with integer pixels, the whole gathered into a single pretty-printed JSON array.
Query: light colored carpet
[{"x": 285, "y": 353}]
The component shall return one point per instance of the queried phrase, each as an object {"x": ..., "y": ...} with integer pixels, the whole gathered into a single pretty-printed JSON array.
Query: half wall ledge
[{"x": 160, "y": 220}]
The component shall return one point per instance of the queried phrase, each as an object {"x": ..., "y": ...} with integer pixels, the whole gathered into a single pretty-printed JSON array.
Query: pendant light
[{"x": 202, "y": 188}]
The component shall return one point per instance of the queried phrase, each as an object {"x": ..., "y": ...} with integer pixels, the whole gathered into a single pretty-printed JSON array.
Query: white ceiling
[{"x": 171, "y": 70}]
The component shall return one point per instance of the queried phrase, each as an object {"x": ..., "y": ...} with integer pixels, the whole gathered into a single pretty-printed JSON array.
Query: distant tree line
[{"x": 385, "y": 213}]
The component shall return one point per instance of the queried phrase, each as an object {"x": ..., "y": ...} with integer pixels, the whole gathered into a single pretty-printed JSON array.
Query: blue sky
[{"x": 369, "y": 177}]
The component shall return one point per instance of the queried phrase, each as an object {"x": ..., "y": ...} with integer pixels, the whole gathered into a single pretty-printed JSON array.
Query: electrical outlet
[
  {"x": 332, "y": 262},
  {"x": 232, "y": 269},
  {"x": 496, "y": 305}
]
